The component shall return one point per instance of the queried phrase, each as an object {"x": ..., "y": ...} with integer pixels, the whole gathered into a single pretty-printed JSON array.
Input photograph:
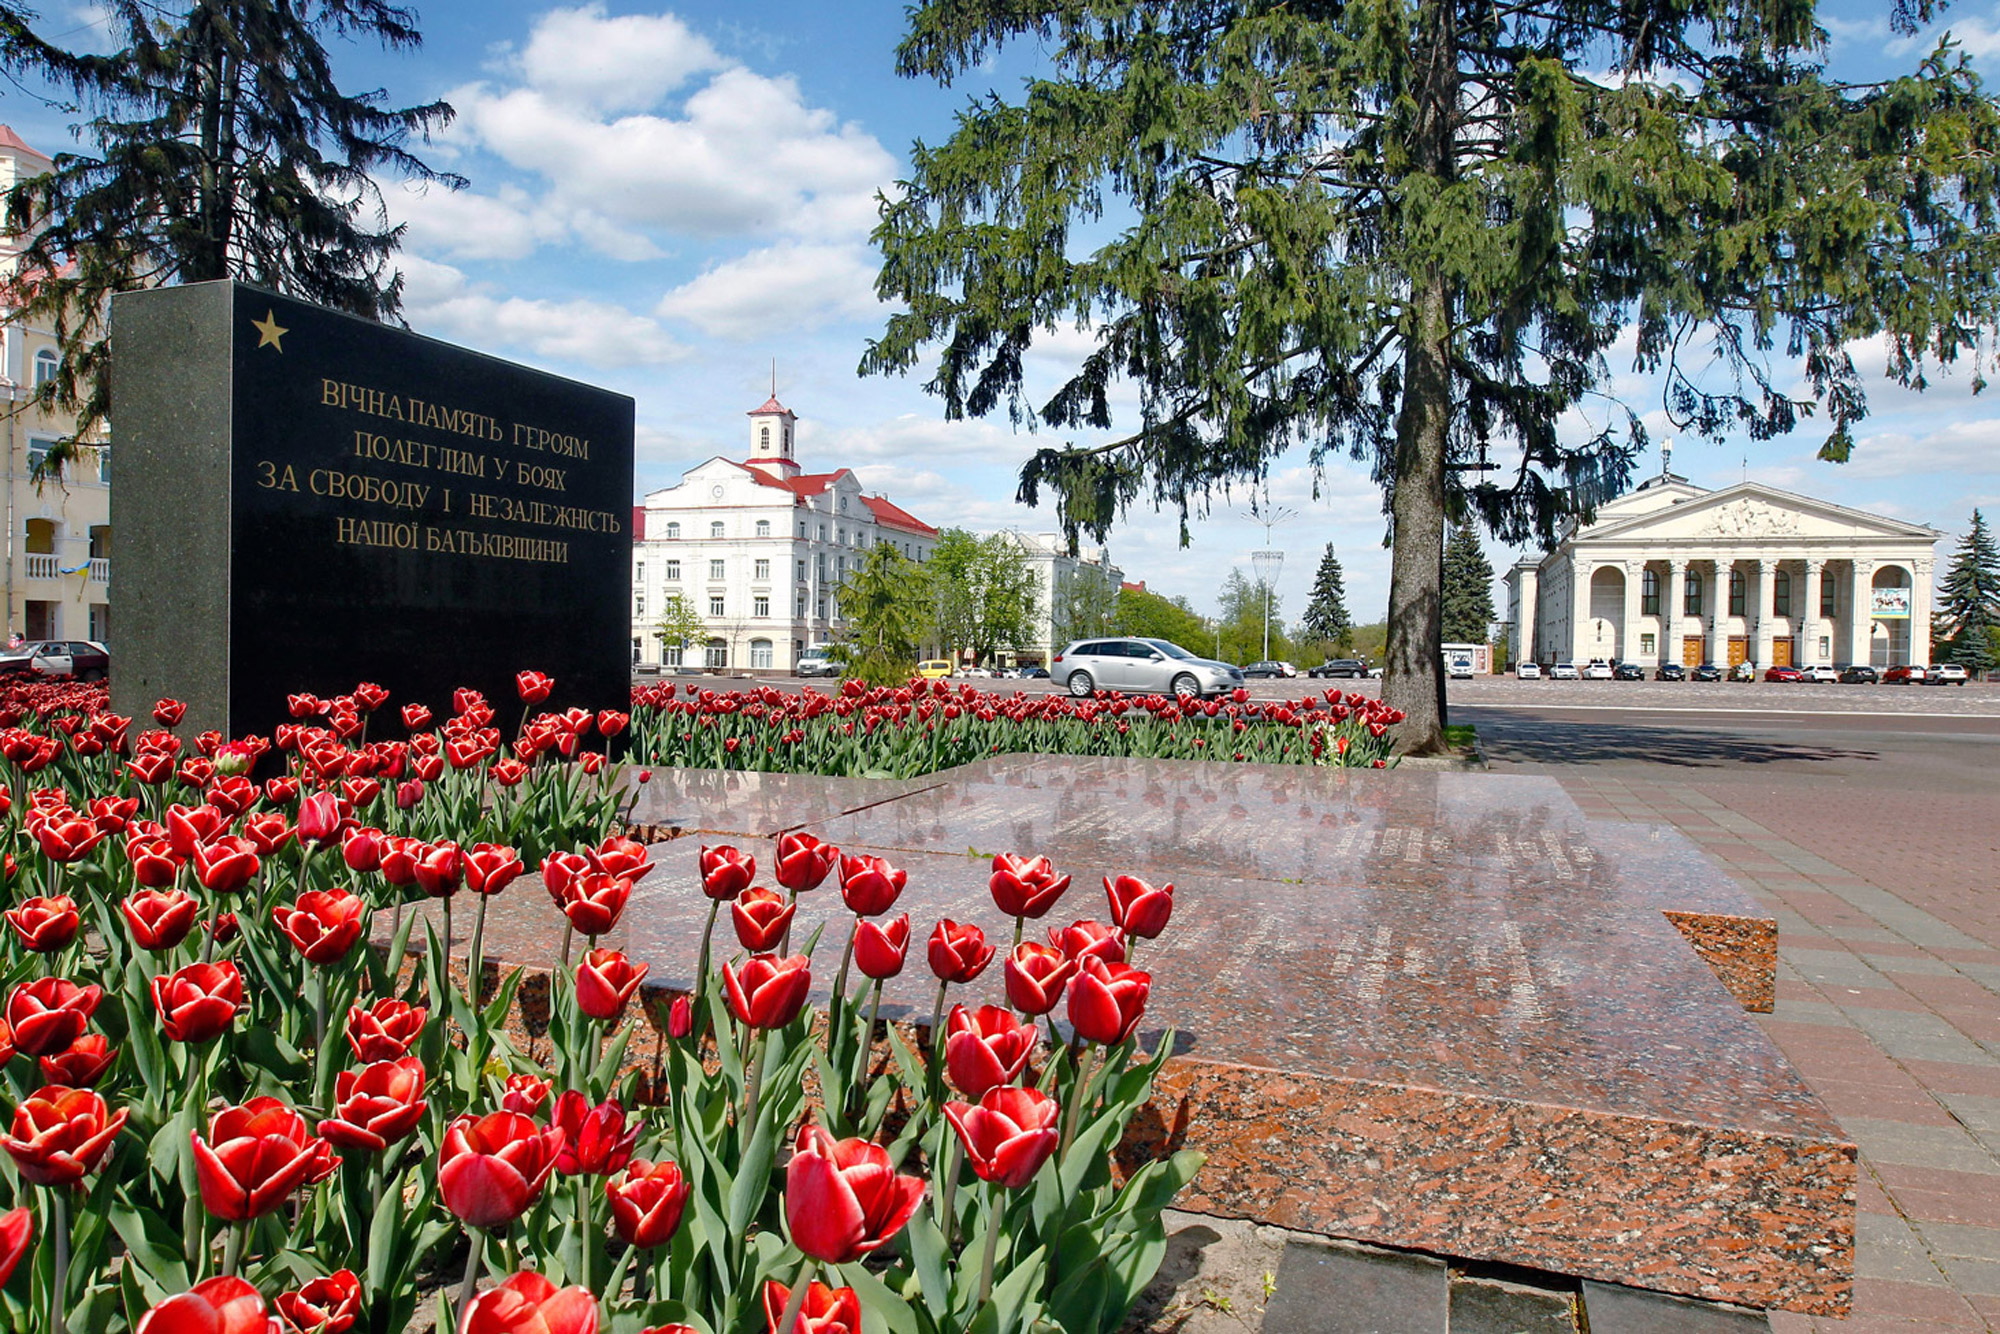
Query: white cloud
[
  {"x": 629, "y": 63},
  {"x": 1968, "y": 446},
  {"x": 440, "y": 300},
  {"x": 462, "y": 224},
  {"x": 788, "y": 288},
  {"x": 1977, "y": 37}
]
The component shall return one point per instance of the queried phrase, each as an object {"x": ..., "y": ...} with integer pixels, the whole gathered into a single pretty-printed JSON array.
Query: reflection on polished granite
[
  {"x": 1440, "y": 1011},
  {"x": 675, "y": 802}
]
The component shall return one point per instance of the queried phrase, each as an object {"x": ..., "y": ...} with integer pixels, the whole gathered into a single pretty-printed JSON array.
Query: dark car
[
  {"x": 1348, "y": 667},
  {"x": 1628, "y": 671},
  {"x": 1708, "y": 671},
  {"x": 1791, "y": 674},
  {"x": 1034, "y": 673},
  {"x": 1258, "y": 671},
  {"x": 1860, "y": 674},
  {"x": 19, "y": 660},
  {"x": 74, "y": 659},
  {"x": 1670, "y": 671}
]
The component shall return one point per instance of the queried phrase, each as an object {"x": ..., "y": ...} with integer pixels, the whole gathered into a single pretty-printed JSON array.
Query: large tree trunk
[{"x": 1413, "y": 676}]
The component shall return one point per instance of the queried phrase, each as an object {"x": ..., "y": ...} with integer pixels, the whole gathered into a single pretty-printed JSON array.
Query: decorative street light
[{"x": 1269, "y": 561}]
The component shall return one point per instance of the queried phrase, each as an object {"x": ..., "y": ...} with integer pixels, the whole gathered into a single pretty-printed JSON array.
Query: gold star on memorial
[{"x": 269, "y": 331}]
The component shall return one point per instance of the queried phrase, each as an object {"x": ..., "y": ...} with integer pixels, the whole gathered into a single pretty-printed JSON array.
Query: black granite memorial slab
[{"x": 307, "y": 500}]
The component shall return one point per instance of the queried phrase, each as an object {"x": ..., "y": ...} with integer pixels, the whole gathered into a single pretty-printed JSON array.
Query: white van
[{"x": 817, "y": 660}]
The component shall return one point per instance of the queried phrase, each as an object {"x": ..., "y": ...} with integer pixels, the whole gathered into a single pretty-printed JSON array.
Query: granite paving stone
[{"x": 1334, "y": 1289}]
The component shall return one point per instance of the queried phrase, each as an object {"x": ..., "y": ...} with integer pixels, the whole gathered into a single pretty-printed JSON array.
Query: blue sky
[{"x": 665, "y": 199}]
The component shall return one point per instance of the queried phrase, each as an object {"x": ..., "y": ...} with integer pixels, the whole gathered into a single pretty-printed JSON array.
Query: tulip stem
[
  {"x": 569, "y": 934},
  {"x": 993, "y": 1200},
  {"x": 473, "y": 967},
  {"x": 707, "y": 934},
  {"x": 948, "y": 1188},
  {"x": 753, "y": 1080},
  {"x": 839, "y": 994},
  {"x": 867, "y": 1043},
  {"x": 796, "y": 1301},
  {"x": 447, "y": 944},
  {"x": 59, "y": 1280},
  {"x": 585, "y": 1241},
  {"x": 232, "y": 1248},
  {"x": 1072, "y": 1113},
  {"x": 1020, "y": 923},
  {"x": 932, "y": 1077},
  {"x": 471, "y": 1282}
]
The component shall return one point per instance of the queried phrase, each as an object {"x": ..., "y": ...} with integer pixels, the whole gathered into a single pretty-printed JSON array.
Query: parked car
[
  {"x": 1528, "y": 671},
  {"x": 1034, "y": 673},
  {"x": 1597, "y": 669},
  {"x": 1946, "y": 674},
  {"x": 1628, "y": 671},
  {"x": 1776, "y": 673},
  {"x": 1859, "y": 674},
  {"x": 1264, "y": 671},
  {"x": 1347, "y": 667},
  {"x": 1822, "y": 675},
  {"x": 1564, "y": 671},
  {"x": 934, "y": 669},
  {"x": 80, "y": 659},
  {"x": 1670, "y": 671},
  {"x": 1708, "y": 671},
  {"x": 1141, "y": 667},
  {"x": 20, "y": 659},
  {"x": 817, "y": 661},
  {"x": 1903, "y": 674},
  {"x": 976, "y": 673},
  {"x": 1743, "y": 671}
]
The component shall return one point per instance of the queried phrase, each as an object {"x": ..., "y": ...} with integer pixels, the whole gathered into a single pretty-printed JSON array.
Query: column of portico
[
  {"x": 1767, "y": 608},
  {"x": 1920, "y": 613},
  {"x": 1718, "y": 609},
  {"x": 1627, "y": 645},
  {"x": 1672, "y": 610},
  {"x": 1579, "y": 594},
  {"x": 1530, "y": 610},
  {"x": 1860, "y": 617},
  {"x": 1809, "y": 623}
]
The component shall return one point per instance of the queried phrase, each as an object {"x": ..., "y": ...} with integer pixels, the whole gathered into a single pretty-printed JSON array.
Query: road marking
[{"x": 1675, "y": 708}]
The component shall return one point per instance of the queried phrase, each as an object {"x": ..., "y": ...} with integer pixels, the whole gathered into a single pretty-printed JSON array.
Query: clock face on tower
[{"x": 716, "y": 491}]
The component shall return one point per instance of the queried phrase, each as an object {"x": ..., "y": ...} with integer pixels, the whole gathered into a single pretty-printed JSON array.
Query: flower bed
[
  {"x": 920, "y": 728},
  {"x": 229, "y": 1114}
]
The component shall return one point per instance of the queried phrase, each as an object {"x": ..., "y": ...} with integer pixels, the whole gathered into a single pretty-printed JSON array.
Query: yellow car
[{"x": 937, "y": 669}]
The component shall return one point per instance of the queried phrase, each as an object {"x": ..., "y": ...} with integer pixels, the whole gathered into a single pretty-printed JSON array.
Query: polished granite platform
[{"x": 1428, "y": 1010}]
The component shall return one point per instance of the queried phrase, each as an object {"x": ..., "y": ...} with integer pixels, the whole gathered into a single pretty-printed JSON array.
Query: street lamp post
[{"x": 1268, "y": 562}]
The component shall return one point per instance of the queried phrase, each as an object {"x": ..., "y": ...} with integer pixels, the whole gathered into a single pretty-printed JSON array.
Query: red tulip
[
  {"x": 188, "y": 827},
  {"x": 158, "y": 920},
  {"x": 438, "y": 868},
  {"x": 985, "y": 1048},
  {"x": 490, "y": 868},
  {"x": 45, "y": 925},
  {"x": 399, "y": 859},
  {"x": 169, "y": 712},
  {"x": 199, "y": 1001},
  {"x": 282, "y": 790},
  {"x": 611, "y": 722},
  {"x": 416, "y": 717},
  {"x": 222, "y": 1305},
  {"x": 82, "y": 1065},
  {"x": 225, "y": 865},
  {"x": 558, "y": 869},
  {"x": 255, "y": 1156},
  {"x": 17, "y": 1238},
  {"x": 594, "y": 901},
  {"x": 112, "y": 814},
  {"x": 803, "y": 861},
  {"x": 150, "y": 767},
  {"x": 534, "y": 687},
  {"x": 61, "y": 1135},
  {"x": 268, "y": 832},
  {"x": 869, "y": 885},
  {"x": 491, "y": 1168},
  {"x": 1107, "y": 1000},
  {"x": 605, "y": 980},
  {"x": 68, "y": 840},
  {"x": 329, "y": 1305},
  {"x": 1139, "y": 909},
  {"x": 646, "y": 1202},
  {"x": 843, "y": 1198},
  {"x": 880, "y": 948},
  {"x": 680, "y": 1018},
  {"x": 596, "y": 1140},
  {"x": 376, "y": 1106},
  {"x": 958, "y": 951},
  {"x": 623, "y": 857},
  {"x": 768, "y": 991},
  {"x": 320, "y": 819},
  {"x": 1009, "y": 1135},
  {"x": 232, "y": 794},
  {"x": 524, "y": 1094},
  {"x": 385, "y": 1030},
  {"x": 824, "y": 1311},
  {"x": 324, "y": 924},
  {"x": 304, "y": 705},
  {"x": 527, "y": 1303},
  {"x": 362, "y": 849},
  {"x": 1025, "y": 886},
  {"x": 761, "y": 917},
  {"x": 48, "y": 1014},
  {"x": 224, "y": 927},
  {"x": 726, "y": 872},
  {"x": 1083, "y": 940},
  {"x": 154, "y": 864}
]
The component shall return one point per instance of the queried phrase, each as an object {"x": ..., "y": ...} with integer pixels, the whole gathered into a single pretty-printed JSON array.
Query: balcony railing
[
  {"x": 100, "y": 569},
  {"x": 41, "y": 565}
]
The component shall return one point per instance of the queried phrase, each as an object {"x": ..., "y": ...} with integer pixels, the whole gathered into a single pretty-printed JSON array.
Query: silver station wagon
[{"x": 1141, "y": 667}]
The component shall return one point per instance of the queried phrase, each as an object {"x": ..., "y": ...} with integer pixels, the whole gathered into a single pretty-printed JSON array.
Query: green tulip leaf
[{"x": 882, "y": 1311}]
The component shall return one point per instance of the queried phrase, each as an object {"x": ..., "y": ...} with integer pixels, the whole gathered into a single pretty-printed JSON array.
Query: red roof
[
  {"x": 1129, "y": 587},
  {"x": 806, "y": 484},
  {"x": 638, "y": 522},
  {"x": 771, "y": 405},
  {"x": 9, "y": 139},
  {"x": 894, "y": 516}
]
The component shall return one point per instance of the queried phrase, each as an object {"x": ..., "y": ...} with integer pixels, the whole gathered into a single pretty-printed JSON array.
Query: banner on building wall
[{"x": 1887, "y": 604}]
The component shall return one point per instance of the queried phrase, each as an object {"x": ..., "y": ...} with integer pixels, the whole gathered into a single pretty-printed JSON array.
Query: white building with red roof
[{"x": 758, "y": 547}]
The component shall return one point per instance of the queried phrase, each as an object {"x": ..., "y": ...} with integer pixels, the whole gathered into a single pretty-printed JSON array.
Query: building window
[
  {"x": 819, "y": 609},
  {"x": 802, "y": 530},
  {"x": 802, "y": 571},
  {"x": 760, "y": 653},
  {"x": 763, "y": 437},
  {"x": 760, "y": 605},
  {"x": 637, "y": 646},
  {"x": 822, "y": 567},
  {"x": 638, "y": 572},
  {"x": 762, "y": 568},
  {"x": 1736, "y": 592},
  {"x": 673, "y": 532},
  {"x": 670, "y": 655},
  {"x": 38, "y": 451},
  {"x": 1691, "y": 602},
  {"x": 799, "y": 606},
  {"x": 45, "y": 367},
  {"x": 673, "y": 569},
  {"x": 104, "y": 465},
  {"x": 1648, "y": 646},
  {"x": 763, "y": 527},
  {"x": 1829, "y": 600},
  {"x": 1649, "y": 593},
  {"x": 843, "y": 504},
  {"x": 822, "y": 532},
  {"x": 1781, "y": 594},
  {"x": 716, "y": 653},
  {"x": 715, "y": 529},
  {"x": 639, "y": 605},
  {"x": 715, "y": 604},
  {"x": 715, "y": 569}
]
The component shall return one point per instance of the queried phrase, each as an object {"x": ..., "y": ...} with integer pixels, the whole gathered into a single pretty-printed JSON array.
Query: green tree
[
  {"x": 1085, "y": 604},
  {"x": 1240, "y": 617},
  {"x": 1969, "y": 599},
  {"x": 1146, "y": 615},
  {"x": 679, "y": 624},
  {"x": 1468, "y": 589},
  {"x": 1413, "y": 231},
  {"x": 1326, "y": 619},
  {"x": 884, "y": 600},
  {"x": 223, "y": 147},
  {"x": 982, "y": 593}
]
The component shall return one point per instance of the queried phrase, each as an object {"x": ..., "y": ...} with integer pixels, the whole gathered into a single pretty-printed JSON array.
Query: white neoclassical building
[
  {"x": 1675, "y": 573},
  {"x": 759, "y": 549},
  {"x": 1056, "y": 573}
]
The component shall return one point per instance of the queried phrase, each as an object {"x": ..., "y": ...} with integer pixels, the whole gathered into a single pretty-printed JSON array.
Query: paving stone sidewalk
[{"x": 1886, "y": 886}]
